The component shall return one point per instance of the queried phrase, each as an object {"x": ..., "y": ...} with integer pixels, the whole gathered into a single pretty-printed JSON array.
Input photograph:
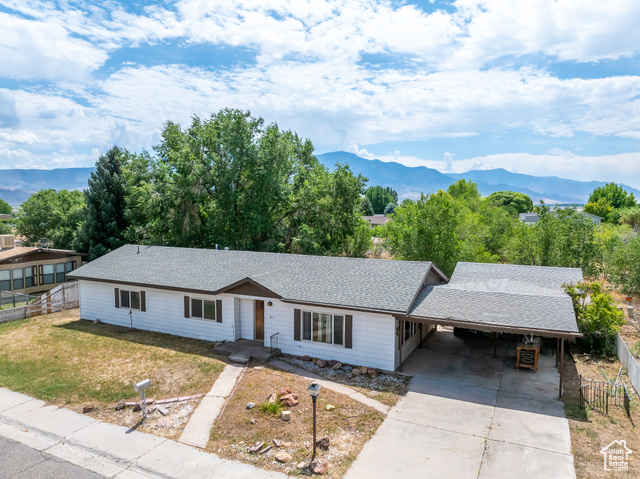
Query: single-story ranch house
[{"x": 358, "y": 311}]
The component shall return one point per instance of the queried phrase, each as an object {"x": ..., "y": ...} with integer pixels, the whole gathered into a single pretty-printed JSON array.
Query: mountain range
[{"x": 409, "y": 182}]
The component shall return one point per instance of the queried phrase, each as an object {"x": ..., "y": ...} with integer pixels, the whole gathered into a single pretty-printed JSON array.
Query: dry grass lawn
[
  {"x": 591, "y": 430},
  {"x": 71, "y": 362},
  {"x": 348, "y": 427}
]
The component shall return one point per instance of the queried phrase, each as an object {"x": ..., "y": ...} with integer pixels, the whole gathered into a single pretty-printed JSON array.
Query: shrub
[
  {"x": 598, "y": 317},
  {"x": 271, "y": 407}
]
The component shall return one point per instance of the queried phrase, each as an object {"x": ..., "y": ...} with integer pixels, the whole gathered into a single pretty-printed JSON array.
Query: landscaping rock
[
  {"x": 373, "y": 373},
  {"x": 314, "y": 360},
  {"x": 251, "y": 405},
  {"x": 152, "y": 409},
  {"x": 88, "y": 408},
  {"x": 331, "y": 363},
  {"x": 272, "y": 398},
  {"x": 283, "y": 457},
  {"x": 163, "y": 410},
  {"x": 164, "y": 422},
  {"x": 364, "y": 370},
  {"x": 337, "y": 365},
  {"x": 347, "y": 368},
  {"x": 286, "y": 416},
  {"x": 305, "y": 358},
  {"x": 121, "y": 405},
  {"x": 252, "y": 421},
  {"x": 323, "y": 443},
  {"x": 285, "y": 390},
  {"x": 255, "y": 447},
  {"x": 277, "y": 443},
  {"x": 320, "y": 363},
  {"x": 137, "y": 407},
  {"x": 318, "y": 466},
  {"x": 301, "y": 465},
  {"x": 356, "y": 372},
  {"x": 289, "y": 400},
  {"x": 330, "y": 407}
]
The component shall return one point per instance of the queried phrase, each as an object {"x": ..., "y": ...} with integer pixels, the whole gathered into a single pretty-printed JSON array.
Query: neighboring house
[
  {"x": 358, "y": 311},
  {"x": 376, "y": 220},
  {"x": 33, "y": 270},
  {"x": 533, "y": 217},
  {"x": 5, "y": 217}
]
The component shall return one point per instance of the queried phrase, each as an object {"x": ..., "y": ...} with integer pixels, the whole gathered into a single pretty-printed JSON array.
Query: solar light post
[
  {"x": 140, "y": 387},
  {"x": 314, "y": 390}
]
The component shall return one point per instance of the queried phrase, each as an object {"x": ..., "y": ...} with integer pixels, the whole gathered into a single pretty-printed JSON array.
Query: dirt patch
[
  {"x": 385, "y": 388},
  {"x": 348, "y": 426},
  {"x": 591, "y": 430}
]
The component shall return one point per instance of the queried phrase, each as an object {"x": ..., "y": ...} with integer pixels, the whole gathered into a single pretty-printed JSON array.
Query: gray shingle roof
[
  {"x": 508, "y": 296},
  {"x": 350, "y": 282}
]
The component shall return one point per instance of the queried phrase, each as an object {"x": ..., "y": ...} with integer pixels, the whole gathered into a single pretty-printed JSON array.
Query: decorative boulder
[
  {"x": 285, "y": 390},
  {"x": 330, "y": 407},
  {"x": 272, "y": 398},
  {"x": 331, "y": 362},
  {"x": 286, "y": 416},
  {"x": 373, "y": 373},
  {"x": 289, "y": 400},
  {"x": 305, "y": 358},
  {"x": 121, "y": 404},
  {"x": 251, "y": 405},
  {"x": 337, "y": 365},
  {"x": 364, "y": 370},
  {"x": 88, "y": 408},
  {"x": 283, "y": 457},
  {"x": 347, "y": 368},
  {"x": 356, "y": 372},
  {"x": 320, "y": 363},
  {"x": 318, "y": 466},
  {"x": 323, "y": 443}
]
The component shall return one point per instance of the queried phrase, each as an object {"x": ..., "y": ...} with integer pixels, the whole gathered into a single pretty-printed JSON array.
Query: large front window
[
  {"x": 5, "y": 280},
  {"x": 203, "y": 309},
  {"x": 48, "y": 274},
  {"x": 323, "y": 328}
]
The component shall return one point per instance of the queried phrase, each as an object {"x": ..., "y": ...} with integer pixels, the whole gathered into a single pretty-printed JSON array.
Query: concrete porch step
[{"x": 243, "y": 357}]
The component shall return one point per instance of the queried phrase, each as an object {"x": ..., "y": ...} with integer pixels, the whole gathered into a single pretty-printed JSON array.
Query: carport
[{"x": 501, "y": 298}]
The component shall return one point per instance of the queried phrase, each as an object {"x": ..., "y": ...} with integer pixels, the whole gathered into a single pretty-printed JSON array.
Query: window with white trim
[
  {"x": 409, "y": 331},
  {"x": 203, "y": 309},
  {"x": 322, "y": 328}
]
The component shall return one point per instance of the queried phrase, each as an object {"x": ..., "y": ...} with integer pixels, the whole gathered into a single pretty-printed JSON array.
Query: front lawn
[{"x": 70, "y": 362}]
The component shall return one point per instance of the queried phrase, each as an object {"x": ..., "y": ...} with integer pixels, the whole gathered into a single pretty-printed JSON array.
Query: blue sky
[{"x": 545, "y": 87}]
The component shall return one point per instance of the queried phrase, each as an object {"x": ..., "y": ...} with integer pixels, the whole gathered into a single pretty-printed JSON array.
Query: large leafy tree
[
  {"x": 233, "y": 181},
  {"x": 105, "y": 214},
  {"x": 5, "y": 208},
  {"x": 624, "y": 267},
  {"x": 511, "y": 200},
  {"x": 380, "y": 197},
  {"x": 606, "y": 201},
  {"x": 51, "y": 214}
]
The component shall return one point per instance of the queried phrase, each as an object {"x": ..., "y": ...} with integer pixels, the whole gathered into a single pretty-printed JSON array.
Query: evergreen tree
[{"x": 105, "y": 223}]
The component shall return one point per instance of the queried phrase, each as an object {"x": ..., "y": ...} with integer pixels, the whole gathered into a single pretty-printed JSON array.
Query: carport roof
[{"x": 499, "y": 297}]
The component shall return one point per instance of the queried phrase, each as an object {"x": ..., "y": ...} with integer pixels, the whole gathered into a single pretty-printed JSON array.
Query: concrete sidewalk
[
  {"x": 198, "y": 429},
  {"x": 334, "y": 386},
  {"x": 110, "y": 450}
]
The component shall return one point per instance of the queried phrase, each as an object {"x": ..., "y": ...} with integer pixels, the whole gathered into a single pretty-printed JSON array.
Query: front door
[{"x": 260, "y": 320}]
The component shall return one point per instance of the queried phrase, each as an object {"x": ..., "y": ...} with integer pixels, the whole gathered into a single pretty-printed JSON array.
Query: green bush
[{"x": 271, "y": 407}]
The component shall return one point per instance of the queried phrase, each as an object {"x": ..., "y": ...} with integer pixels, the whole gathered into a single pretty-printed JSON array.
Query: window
[
  {"x": 203, "y": 309},
  {"x": 131, "y": 300},
  {"x": 30, "y": 277},
  {"x": 47, "y": 274},
  {"x": 71, "y": 265},
  {"x": 409, "y": 331},
  {"x": 18, "y": 279},
  {"x": 60, "y": 275},
  {"x": 5, "y": 280},
  {"x": 323, "y": 328}
]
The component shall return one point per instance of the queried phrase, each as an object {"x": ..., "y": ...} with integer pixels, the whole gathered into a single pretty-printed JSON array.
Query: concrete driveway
[{"x": 470, "y": 415}]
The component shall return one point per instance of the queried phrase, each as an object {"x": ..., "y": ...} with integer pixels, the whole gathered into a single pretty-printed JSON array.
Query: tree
[
  {"x": 5, "y": 208},
  {"x": 609, "y": 238},
  {"x": 51, "y": 214},
  {"x": 5, "y": 229},
  {"x": 231, "y": 180},
  {"x": 365, "y": 207},
  {"x": 389, "y": 209},
  {"x": 360, "y": 242},
  {"x": 605, "y": 201},
  {"x": 425, "y": 230},
  {"x": 381, "y": 197},
  {"x": 631, "y": 217},
  {"x": 624, "y": 268},
  {"x": 105, "y": 214},
  {"x": 597, "y": 316},
  {"x": 464, "y": 189},
  {"x": 515, "y": 202},
  {"x": 601, "y": 208}
]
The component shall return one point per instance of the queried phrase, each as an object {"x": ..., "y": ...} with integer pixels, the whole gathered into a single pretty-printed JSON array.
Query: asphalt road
[{"x": 21, "y": 462}]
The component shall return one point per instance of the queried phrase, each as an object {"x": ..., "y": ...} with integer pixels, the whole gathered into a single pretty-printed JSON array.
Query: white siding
[
  {"x": 165, "y": 312},
  {"x": 411, "y": 344},
  {"x": 373, "y": 335}
]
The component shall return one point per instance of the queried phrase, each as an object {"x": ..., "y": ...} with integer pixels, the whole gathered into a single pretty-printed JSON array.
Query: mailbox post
[{"x": 140, "y": 387}]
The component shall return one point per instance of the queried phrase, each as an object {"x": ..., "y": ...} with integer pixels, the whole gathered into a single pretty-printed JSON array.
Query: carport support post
[{"x": 561, "y": 366}]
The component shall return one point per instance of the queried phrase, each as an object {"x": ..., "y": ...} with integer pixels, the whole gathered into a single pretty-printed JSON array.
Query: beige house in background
[{"x": 31, "y": 270}]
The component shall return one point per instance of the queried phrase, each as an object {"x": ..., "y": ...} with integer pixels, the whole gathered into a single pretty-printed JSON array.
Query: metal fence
[
  {"x": 598, "y": 395},
  {"x": 14, "y": 300}
]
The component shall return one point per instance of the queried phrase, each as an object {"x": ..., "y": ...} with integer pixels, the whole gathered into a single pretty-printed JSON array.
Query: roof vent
[{"x": 7, "y": 241}]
